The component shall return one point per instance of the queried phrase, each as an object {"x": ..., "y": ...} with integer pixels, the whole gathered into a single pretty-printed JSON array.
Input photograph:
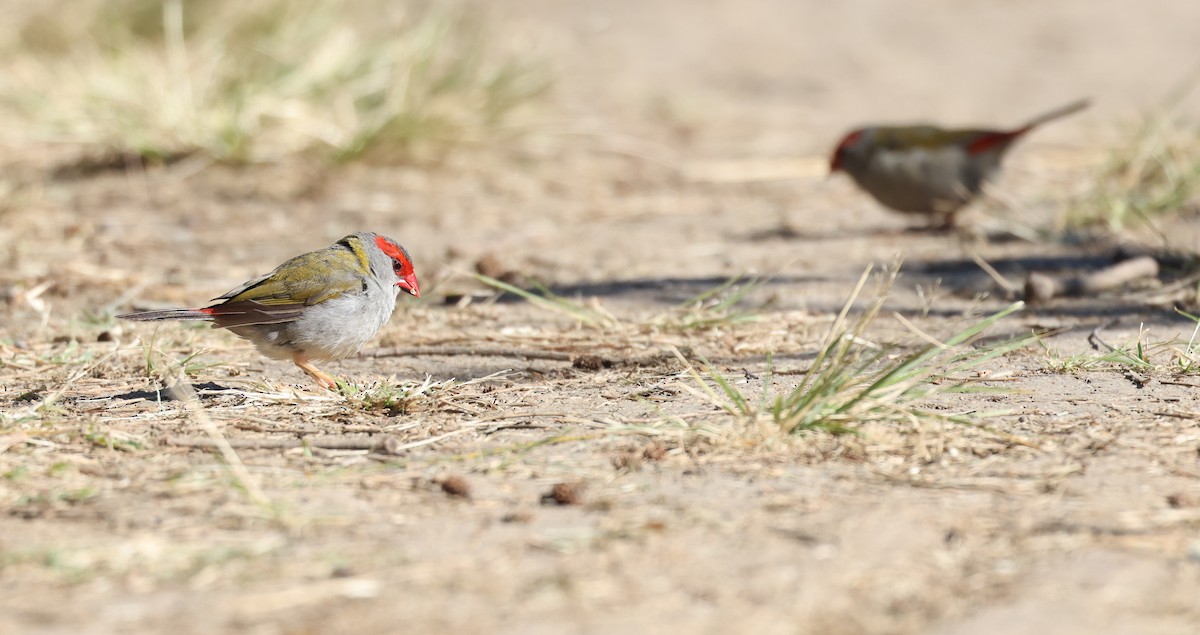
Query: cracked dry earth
[{"x": 682, "y": 145}]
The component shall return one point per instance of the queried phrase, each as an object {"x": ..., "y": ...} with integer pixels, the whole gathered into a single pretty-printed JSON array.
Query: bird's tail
[
  {"x": 168, "y": 314},
  {"x": 1057, "y": 113},
  {"x": 989, "y": 141}
]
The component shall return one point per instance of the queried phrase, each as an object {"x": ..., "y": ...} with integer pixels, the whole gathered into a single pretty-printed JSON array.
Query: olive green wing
[
  {"x": 282, "y": 295},
  {"x": 930, "y": 137}
]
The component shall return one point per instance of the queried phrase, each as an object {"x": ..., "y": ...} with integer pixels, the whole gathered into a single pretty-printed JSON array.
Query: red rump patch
[
  {"x": 990, "y": 140},
  {"x": 212, "y": 310}
]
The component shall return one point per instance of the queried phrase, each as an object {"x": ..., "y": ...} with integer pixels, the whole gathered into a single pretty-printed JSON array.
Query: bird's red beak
[{"x": 410, "y": 286}]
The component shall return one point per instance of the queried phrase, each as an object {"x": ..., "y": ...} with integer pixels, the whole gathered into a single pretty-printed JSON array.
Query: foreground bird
[
  {"x": 321, "y": 305},
  {"x": 928, "y": 170}
]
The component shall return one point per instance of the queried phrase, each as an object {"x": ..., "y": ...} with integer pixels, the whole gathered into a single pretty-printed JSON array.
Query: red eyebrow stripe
[{"x": 389, "y": 248}]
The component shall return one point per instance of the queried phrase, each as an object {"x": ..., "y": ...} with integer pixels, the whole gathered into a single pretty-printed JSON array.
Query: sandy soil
[{"x": 684, "y": 144}]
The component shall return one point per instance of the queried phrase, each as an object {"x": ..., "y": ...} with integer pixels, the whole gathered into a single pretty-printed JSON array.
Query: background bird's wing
[
  {"x": 974, "y": 141},
  {"x": 930, "y": 137}
]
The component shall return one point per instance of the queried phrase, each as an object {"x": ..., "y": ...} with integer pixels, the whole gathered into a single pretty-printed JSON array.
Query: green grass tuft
[
  {"x": 391, "y": 398},
  {"x": 1140, "y": 356},
  {"x": 854, "y": 381}
]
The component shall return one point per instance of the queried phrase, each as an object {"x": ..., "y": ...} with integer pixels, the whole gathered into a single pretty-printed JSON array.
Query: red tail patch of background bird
[{"x": 992, "y": 139}]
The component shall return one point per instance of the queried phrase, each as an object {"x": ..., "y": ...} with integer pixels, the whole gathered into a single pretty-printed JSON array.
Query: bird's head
[{"x": 853, "y": 149}]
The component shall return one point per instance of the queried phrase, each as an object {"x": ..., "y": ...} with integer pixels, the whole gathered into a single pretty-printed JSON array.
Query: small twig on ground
[
  {"x": 474, "y": 351},
  {"x": 1094, "y": 337},
  {"x": 396, "y": 447},
  {"x": 184, "y": 393},
  {"x": 276, "y": 443},
  {"x": 254, "y": 427},
  {"x": 1187, "y": 384},
  {"x": 586, "y": 361},
  {"x": 385, "y": 443},
  {"x": 1010, "y": 288},
  {"x": 1041, "y": 288}
]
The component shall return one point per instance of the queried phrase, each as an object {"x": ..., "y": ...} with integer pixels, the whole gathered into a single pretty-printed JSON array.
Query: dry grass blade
[
  {"x": 1154, "y": 174},
  {"x": 48, "y": 402},
  {"x": 546, "y": 299},
  {"x": 237, "y": 81},
  {"x": 183, "y": 392},
  {"x": 711, "y": 308}
]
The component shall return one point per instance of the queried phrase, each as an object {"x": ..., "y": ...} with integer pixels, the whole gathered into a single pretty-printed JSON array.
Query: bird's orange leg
[{"x": 323, "y": 378}]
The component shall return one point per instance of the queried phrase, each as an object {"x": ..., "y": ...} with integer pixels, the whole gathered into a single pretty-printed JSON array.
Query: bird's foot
[{"x": 323, "y": 379}]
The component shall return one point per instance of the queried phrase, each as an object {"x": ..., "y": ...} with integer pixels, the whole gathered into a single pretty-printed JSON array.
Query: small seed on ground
[
  {"x": 1180, "y": 500},
  {"x": 456, "y": 485},
  {"x": 588, "y": 362},
  {"x": 565, "y": 494}
]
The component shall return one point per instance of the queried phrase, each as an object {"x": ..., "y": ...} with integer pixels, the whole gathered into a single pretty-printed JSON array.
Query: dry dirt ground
[{"x": 682, "y": 145}]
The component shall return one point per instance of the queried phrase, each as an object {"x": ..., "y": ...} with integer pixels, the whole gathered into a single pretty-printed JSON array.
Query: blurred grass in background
[
  {"x": 243, "y": 81},
  {"x": 1153, "y": 174}
]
